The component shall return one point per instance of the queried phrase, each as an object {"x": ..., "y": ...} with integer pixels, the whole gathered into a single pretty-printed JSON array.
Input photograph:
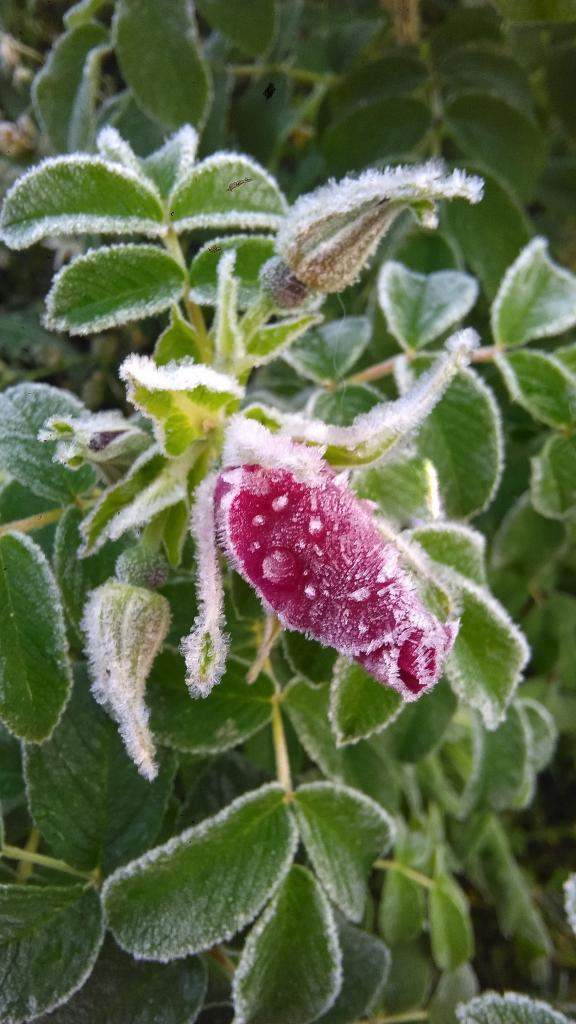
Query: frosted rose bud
[
  {"x": 313, "y": 552},
  {"x": 330, "y": 234},
  {"x": 280, "y": 282}
]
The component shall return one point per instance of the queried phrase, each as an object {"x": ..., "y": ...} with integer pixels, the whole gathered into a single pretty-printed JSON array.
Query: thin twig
[
  {"x": 36, "y": 522},
  {"x": 280, "y": 749},
  {"x": 296, "y": 74},
  {"x": 16, "y": 853},
  {"x": 403, "y": 869}
]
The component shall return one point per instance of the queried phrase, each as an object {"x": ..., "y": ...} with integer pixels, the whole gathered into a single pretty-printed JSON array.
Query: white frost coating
[
  {"x": 518, "y": 272},
  {"x": 183, "y": 144},
  {"x": 237, "y": 217},
  {"x": 340, "y": 667},
  {"x": 113, "y": 148},
  {"x": 205, "y": 649},
  {"x": 475, "y": 539},
  {"x": 77, "y": 437},
  {"x": 248, "y": 441},
  {"x": 228, "y": 338},
  {"x": 570, "y": 900},
  {"x": 125, "y": 627},
  {"x": 250, "y": 957},
  {"x": 189, "y": 836},
  {"x": 509, "y": 1008},
  {"x": 395, "y": 419},
  {"x": 282, "y": 334},
  {"x": 440, "y": 300},
  {"x": 176, "y": 376},
  {"x": 77, "y": 223}
]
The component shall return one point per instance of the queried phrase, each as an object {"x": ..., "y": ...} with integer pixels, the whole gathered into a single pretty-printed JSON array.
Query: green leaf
[
  {"x": 462, "y": 437},
  {"x": 35, "y": 675},
  {"x": 185, "y": 401},
  {"x": 161, "y": 61},
  {"x": 342, "y": 405},
  {"x": 383, "y": 129},
  {"x": 489, "y": 655},
  {"x": 409, "y": 979},
  {"x": 121, "y": 990},
  {"x": 252, "y": 251},
  {"x": 11, "y": 779},
  {"x": 236, "y": 709},
  {"x": 452, "y": 989},
  {"x": 541, "y": 385},
  {"x": 402, "y": 909},
  {"x": 421, "y": 307},
  {"x": 489, "y": 235},
  {"x": 404, "y": 489},
  {"x": 451, "y": 932},
  {"x": 75, "y": 195},
  {"x": 542, "y": 732},
  {"x": 421, "y": 726},
  {"x": 359, "y": 706},
  {"x": 171, "y": 162},
  {"x": 65, "y": 89},
  {"x": 328, "y": 353},
  {"x": 538, "y": 10},
  {"x": 536, "y": 298},
  {"x": 290, "y": 969},
  {"x": 206, "y": 884},
  {"x": 526, "y": 541},
  {"x": 553, "y": 480},
  {"x": 82, "y": 11},
  {"x": 24, "y": 410},
  {"x": 49, "y": 939},
  {"x": 510, "y": 1008},
  {"x": 343, "y": 832},
  {"x": 496, "y": 136},
  {"x": 177, "y": 342},
  {"x": 77, "y": 576},
  {"x": 482, "y": 67},
  {"x": 507, "y": 777},
  {"x": 269, "y": 341},
  {"x": 365, "y": 967},
  {"x": 111, "y": 286},
  {"x": 204, "y": 198},
  {"x": 457, "y": 546},
  {"x": 251, "y": 34},
  {"x": 85, "y": 794},
  {"x": 308, "y": 658}
]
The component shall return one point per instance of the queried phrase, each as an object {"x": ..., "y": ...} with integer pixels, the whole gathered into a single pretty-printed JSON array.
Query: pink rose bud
[{"x": 314, "y": 554}]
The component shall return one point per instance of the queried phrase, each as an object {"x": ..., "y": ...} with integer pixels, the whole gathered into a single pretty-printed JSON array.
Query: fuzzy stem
[
  {"x": 223, "y": 960},
  {"x": 403, "y": 869},
  {"x": 33, "y": 522},
  {"x": 28, "y": 856},
  {"x": 272, "y": 630},
  {"x": 280, "y": 749},
  {"x": 296, "y": 74}
]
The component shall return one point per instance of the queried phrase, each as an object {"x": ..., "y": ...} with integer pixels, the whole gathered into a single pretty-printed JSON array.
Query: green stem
[
  {"x": 384, "y": 369},
  {"x": 280, "y": 749},
  {"x": 28, "y": 856},
  {"x": 400, "y": 1018},
  {"x": 403, "y": 869},
  {"x": 296, "y": 74},
  {"x": 193, "y": 311},
  {"x": 33, "y": 522}
]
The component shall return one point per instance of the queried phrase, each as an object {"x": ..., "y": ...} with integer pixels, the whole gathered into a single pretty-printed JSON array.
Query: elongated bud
[
  {"x": 105, "y": 440},
  {"x": 125, "y": 627},
  {"x": 142, "y": 568},
  {"x": 330, "y": 234},
  {"x": 280, "y": 283},
  {"x": 314, "y": 554}
]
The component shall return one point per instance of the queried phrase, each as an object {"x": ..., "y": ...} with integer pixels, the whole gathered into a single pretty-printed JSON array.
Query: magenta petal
[{"x": 314, "y": 554}]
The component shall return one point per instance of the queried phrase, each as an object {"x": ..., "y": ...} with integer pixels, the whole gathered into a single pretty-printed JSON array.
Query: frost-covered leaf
[
  {"x": 122, "y": 990},
  {"x": 50, "y": 936},
  {"x": 75, "y": 195},
  {"x": 451, "y": 932},
  {"x": 161, "y": 61},
  {"x": 421, "y": 307},
  {"x": 204, "y": 885},
  {"x": 365, "y": 967},
  {"x": 24, "y": 410},
  {"x": 252, "y": 251},
  {"x": 328, "y": 353},
  {"x": 290, "y": 969},
  {"x": 271, "y": 340},
  {"x": 541, "y": 385},
  {"x": 35, "y": 675},
  {"x": 252, "y": 35},
  {"x": 235, "y": 710},
  {"x": 65, "y": 89},
  {"x": 105, "y": 440},
  {"x": 536, "y": 298},
  {"x": 570, "y": 900},
  {"x": 462, "y": 437},
  {"x": 452, "y": 989},
  {"x": 85, "y": 794},
  {"x": 553, "y": 480},
  {"x": 402, "y": 909},
  {"x": 174, "y": 160},
  {"x": 111, "y": 286},
  {"x": 404, "y": 489},
  {"x": 421, "y": 726},
  {"x": 489, "y": 655},
  {"x": 507, "y": 774},
  {"x": 510, "y": 1008},
  {"x": 542, "y": 732},
  {"x": 184, "y": 400},
  {"x": 226, "y": 190},
  {"x": 228, "y": 338},
  {"x": 154, "y": 483},
  {"x": 82, "y": 11},
  {"x": 360, "y": 706},
  {"x": 525, "y": 540},
  {"x": 330, "y": 234},
  {"x": 343, "y": 404},
  {"x": 343, "y": 832},
  {"x": 125, "y": 627},
  {"x": 457, "y": 546},
  {"x": 178, "y": 341}
]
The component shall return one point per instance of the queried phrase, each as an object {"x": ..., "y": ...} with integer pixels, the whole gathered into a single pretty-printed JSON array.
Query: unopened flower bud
[
  {"x": 142, "y": 568},
  {"x": 330, "y": 234},
  {"x": 125, "y": 627},
  {"x": 105, "y": 440},
  {"x": 280, "y": 283}
]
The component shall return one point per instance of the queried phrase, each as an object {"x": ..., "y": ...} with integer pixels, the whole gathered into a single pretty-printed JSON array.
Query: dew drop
[
  {"x": 315, "y": 525},
  {"x": 280, "y": 502},
  {"x": 258, "y": 521},
  {"x": 360, "y": 595},
  {"x": 310, "y": 591}
]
